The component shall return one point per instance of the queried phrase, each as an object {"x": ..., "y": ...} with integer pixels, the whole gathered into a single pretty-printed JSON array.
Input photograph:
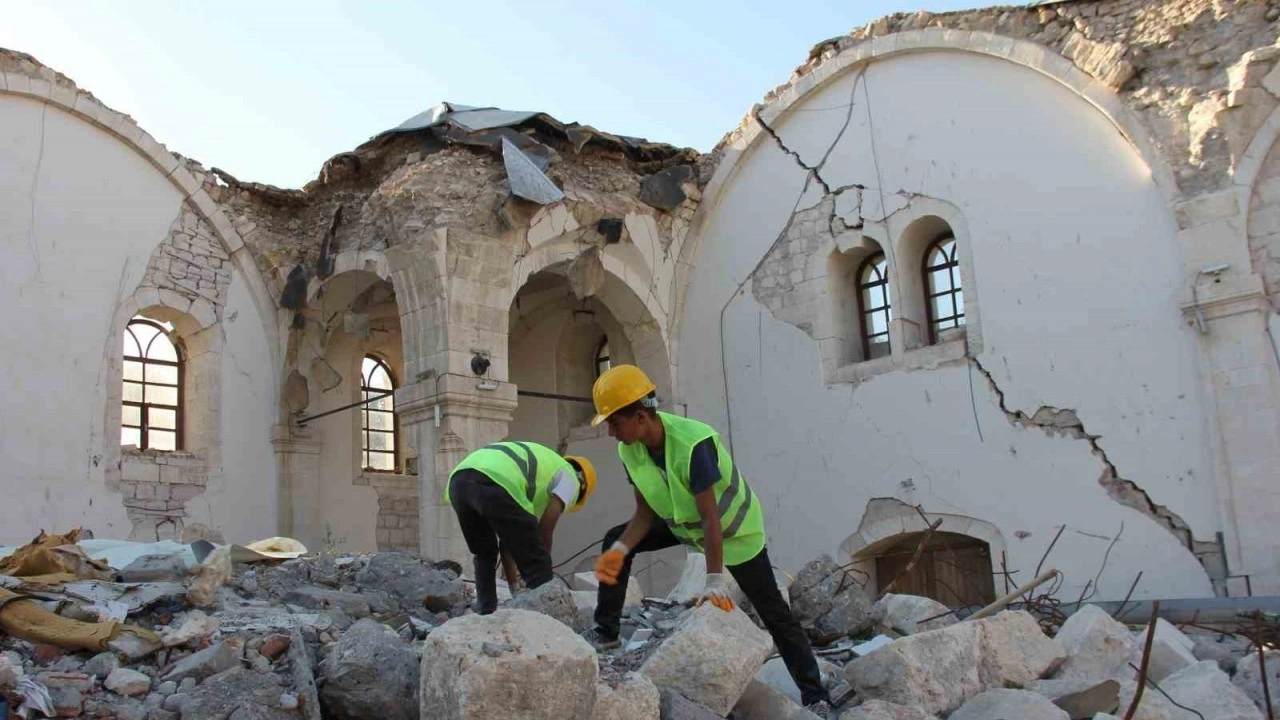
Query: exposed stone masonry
[
  {"x": 190, "y": 262},
  {"x": 1185, "y": 66}
]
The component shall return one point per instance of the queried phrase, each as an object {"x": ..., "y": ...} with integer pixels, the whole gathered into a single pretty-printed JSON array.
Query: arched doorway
[{"x": 954, "y": 569}]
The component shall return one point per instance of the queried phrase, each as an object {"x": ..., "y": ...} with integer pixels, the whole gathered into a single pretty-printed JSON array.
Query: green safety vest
[
  {"x": 741, "y": 519},
  {"x": 526, "y": 470}
]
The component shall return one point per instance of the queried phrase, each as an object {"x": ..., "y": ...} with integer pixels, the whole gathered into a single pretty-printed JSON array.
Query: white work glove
[{"x": 716, "y": 592}]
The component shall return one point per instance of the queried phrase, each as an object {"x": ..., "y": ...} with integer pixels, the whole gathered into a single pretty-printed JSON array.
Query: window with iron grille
[
  {"x": 378, "y": 417},
  {"x": 944, "y": 299},
  {"x": 873, "y": 306},
  {"x": 151, "y": 406}
]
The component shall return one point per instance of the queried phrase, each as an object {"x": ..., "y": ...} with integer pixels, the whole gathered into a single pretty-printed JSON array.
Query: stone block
[
  {"x": 1202, "y": 687},
  {"x": 1170, "y": 651},
  {"x": 761, "y": 702},
  {"x": 710, "y": 658},
  {"x": 774, "y": 673},
  {"x": 236, "y": 693},
  {"x": 1080, "y": 698},
  {"x": 1226, "y": 650},
  {"x": 1001, "y": 703},
  {"x": 1207, "y": 208},
  {"x": 154, "y": 568},
  {"x": 1098, "y": 647},
  {"x": 910, "y": 614},
  {"x": 1249, "y": 678},
  {"x": 370, "y": 672},
  {"x": 1014, "y": 652},
  {"x": 635, "y": 698},
  {"x": 674, "y": 706},
  {"x": 210, "y": 661},
  {"x": 513, "y": 663},
  {"x": 123, "y": 681},
  {"x": 881, "y": 710},
  {"x": 553, "y": 599},
  {"x": 935, "y": 671}
]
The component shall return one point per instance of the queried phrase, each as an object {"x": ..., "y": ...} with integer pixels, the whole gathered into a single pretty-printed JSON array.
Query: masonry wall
[
  {"x": 1073, "y": 286},
  {"x": 86, "y": 223}
]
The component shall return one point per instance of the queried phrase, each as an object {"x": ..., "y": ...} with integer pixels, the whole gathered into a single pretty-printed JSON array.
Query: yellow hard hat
[
  {"x": 617, "y": 388},
  {"x": 588, "y": 480}
]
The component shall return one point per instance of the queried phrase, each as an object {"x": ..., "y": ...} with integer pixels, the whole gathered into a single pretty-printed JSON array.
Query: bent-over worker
[
  {"x": 513, "y": 493},
  {"x": 688, "y": 490}
]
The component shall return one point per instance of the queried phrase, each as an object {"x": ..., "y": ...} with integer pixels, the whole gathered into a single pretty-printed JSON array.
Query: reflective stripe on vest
[
  {"x": 525, "y": 470},
  {"x": 528, "y": 465},
  {"x": 668, "y": 495}
]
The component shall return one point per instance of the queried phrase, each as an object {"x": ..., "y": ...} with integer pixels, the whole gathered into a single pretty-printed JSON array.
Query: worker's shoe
[
  {"x": 600, "y": 641},
  {"x": 821, "y": 709}
]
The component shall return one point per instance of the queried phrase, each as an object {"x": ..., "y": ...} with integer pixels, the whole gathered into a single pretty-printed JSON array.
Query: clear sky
[{"x": 269, "y": 89}]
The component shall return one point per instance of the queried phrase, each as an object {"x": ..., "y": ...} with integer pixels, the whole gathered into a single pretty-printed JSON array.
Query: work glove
[
  {"x": 716, "y": 592},
  {"x": 609, "y": 565}
]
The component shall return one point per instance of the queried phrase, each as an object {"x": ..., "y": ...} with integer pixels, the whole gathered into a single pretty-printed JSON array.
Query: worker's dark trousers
[
  {"x": 489, "y": 516},
  {"x": 755, "y": 577}
]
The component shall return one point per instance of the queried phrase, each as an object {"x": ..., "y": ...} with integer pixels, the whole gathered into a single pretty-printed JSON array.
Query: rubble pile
[
  {"x": 167, "y": 637},
  {"x": 222, "y": 633}
]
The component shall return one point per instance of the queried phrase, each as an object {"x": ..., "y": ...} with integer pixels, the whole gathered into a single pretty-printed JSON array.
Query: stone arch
[
  {"x": 64, "y": 96},
  {"x": 1030, "y": 55},
  {"x": 887, "y": 520},
  {"x": 634, "y": 305}
]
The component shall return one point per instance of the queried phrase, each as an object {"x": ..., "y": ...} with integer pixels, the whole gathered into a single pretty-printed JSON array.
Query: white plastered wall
[
  {"x": 81, "y": 212},
  {"x": 1076, "y": 263}
]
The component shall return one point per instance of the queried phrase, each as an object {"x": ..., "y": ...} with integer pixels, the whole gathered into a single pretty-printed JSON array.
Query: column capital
[
  {"x": 457, "y": 396},
  {"x": 1232, "y": 296},
  {"x": 288, "y": 438}
]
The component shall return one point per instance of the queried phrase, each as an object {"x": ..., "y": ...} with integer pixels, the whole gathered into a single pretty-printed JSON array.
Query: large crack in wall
[{"x": 1056, "y": 421}]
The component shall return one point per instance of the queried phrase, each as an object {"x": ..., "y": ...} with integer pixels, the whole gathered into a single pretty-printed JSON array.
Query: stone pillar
[
  {"x": 298, "y": 505},
  {"x": 1241, "y": 377},
  {"x": 449, "y": 416}
]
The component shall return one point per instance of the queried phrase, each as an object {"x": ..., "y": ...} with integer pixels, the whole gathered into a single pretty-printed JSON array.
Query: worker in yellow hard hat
[
  {"x": 684, "y": 478},
  {"x": 510, "y": 495}
]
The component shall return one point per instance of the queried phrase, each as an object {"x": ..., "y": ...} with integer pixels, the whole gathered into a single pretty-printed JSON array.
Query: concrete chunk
[
  {"x": 357, "y": 606},
  {"x": 635, "y": 698},
  {"x": 370, "y": 672},
  {"x": 710, "y": 658},
  {"x": 1098, "y": 647},
  {"x": 553, "y": 599},
  {"x": 828, "y": 602},
  {"x": 511, "y": 664},
  {"x": 1020, "y": 704},
  {"x": 123, "y": 681}
]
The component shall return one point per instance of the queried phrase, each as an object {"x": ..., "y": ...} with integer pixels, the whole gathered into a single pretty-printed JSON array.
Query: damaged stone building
[{"x": 1011, "y": 269}]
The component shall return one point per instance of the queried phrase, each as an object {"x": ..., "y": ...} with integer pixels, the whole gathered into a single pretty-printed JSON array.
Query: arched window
[
  {"x": 151, "y": 407},
  {"x": 602, "y": 357},
  {"x": 378, "y": 418},
  {"x": 944, "y": 299},
  {"x": 873, "y": 306}
]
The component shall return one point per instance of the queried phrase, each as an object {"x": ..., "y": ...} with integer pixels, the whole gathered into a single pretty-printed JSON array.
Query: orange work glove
[
  {"x": 716, "y": 593},
  {"x": 609, "y": 565}
]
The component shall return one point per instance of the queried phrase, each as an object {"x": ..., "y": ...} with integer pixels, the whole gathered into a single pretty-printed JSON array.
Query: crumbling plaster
[{"x": 963, "y": 141}]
